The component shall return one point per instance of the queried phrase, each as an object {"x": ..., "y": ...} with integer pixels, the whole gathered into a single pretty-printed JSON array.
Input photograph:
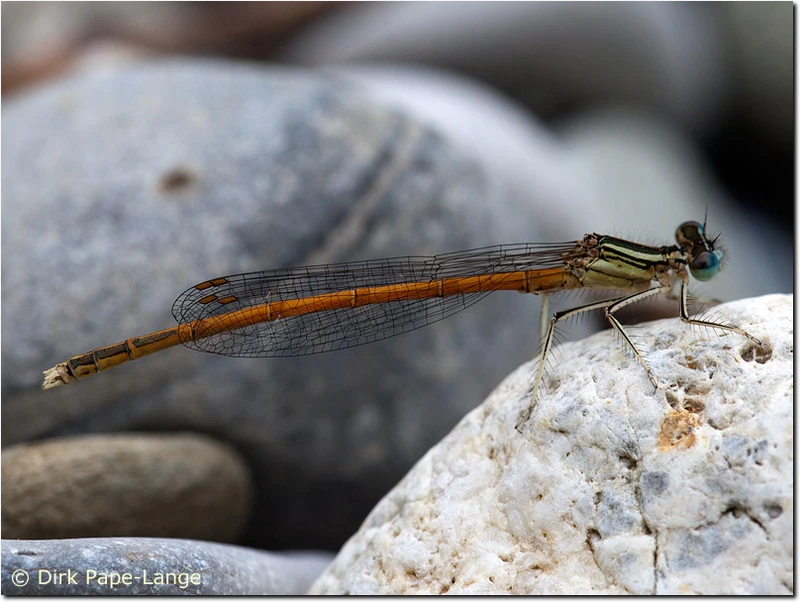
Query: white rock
[{"x": 613, "y": 488}]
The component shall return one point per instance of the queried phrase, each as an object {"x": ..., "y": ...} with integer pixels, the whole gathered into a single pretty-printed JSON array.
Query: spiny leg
[
  {"x": 684, "y": 314},
  {"x": 617, "y": 325},
  {"x": 548, "y": 343},
  {"x": 611, "y": 306},
  {"x": 687, "y": 320}
]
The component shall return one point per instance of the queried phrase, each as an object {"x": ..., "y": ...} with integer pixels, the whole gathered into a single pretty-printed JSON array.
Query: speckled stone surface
[{"x": 611, "y": 488}]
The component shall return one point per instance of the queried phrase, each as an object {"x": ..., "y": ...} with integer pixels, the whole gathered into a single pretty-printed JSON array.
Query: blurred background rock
[{"x": 539, "y": 121}]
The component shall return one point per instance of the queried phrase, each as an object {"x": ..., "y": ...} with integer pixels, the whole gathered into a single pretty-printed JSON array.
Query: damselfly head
[{"x": 706, "y": 261}]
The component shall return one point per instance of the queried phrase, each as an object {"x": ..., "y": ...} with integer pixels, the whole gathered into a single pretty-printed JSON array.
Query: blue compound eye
[{"x": 705, "y": 265}]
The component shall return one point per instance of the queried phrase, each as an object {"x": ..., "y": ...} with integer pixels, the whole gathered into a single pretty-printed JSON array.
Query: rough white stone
[{"x": 612, "y": 488}]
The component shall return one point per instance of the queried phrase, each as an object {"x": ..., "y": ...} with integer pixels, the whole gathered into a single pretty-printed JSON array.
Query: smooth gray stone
[
  {"x": 552, "y": 56},
  {"x": 156, "y": 485},
  {"x": 123, "y": 189},
  {"x": 132, "y": 566}
]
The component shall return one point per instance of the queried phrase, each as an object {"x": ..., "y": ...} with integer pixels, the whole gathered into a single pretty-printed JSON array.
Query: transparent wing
[{"x": 329, "y": 330}]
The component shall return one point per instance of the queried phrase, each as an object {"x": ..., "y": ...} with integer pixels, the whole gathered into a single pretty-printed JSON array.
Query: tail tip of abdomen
[{"x": 56, "y": 376}]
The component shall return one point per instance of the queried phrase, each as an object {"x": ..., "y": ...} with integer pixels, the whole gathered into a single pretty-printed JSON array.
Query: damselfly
[{"x": 315, "y": 309}]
